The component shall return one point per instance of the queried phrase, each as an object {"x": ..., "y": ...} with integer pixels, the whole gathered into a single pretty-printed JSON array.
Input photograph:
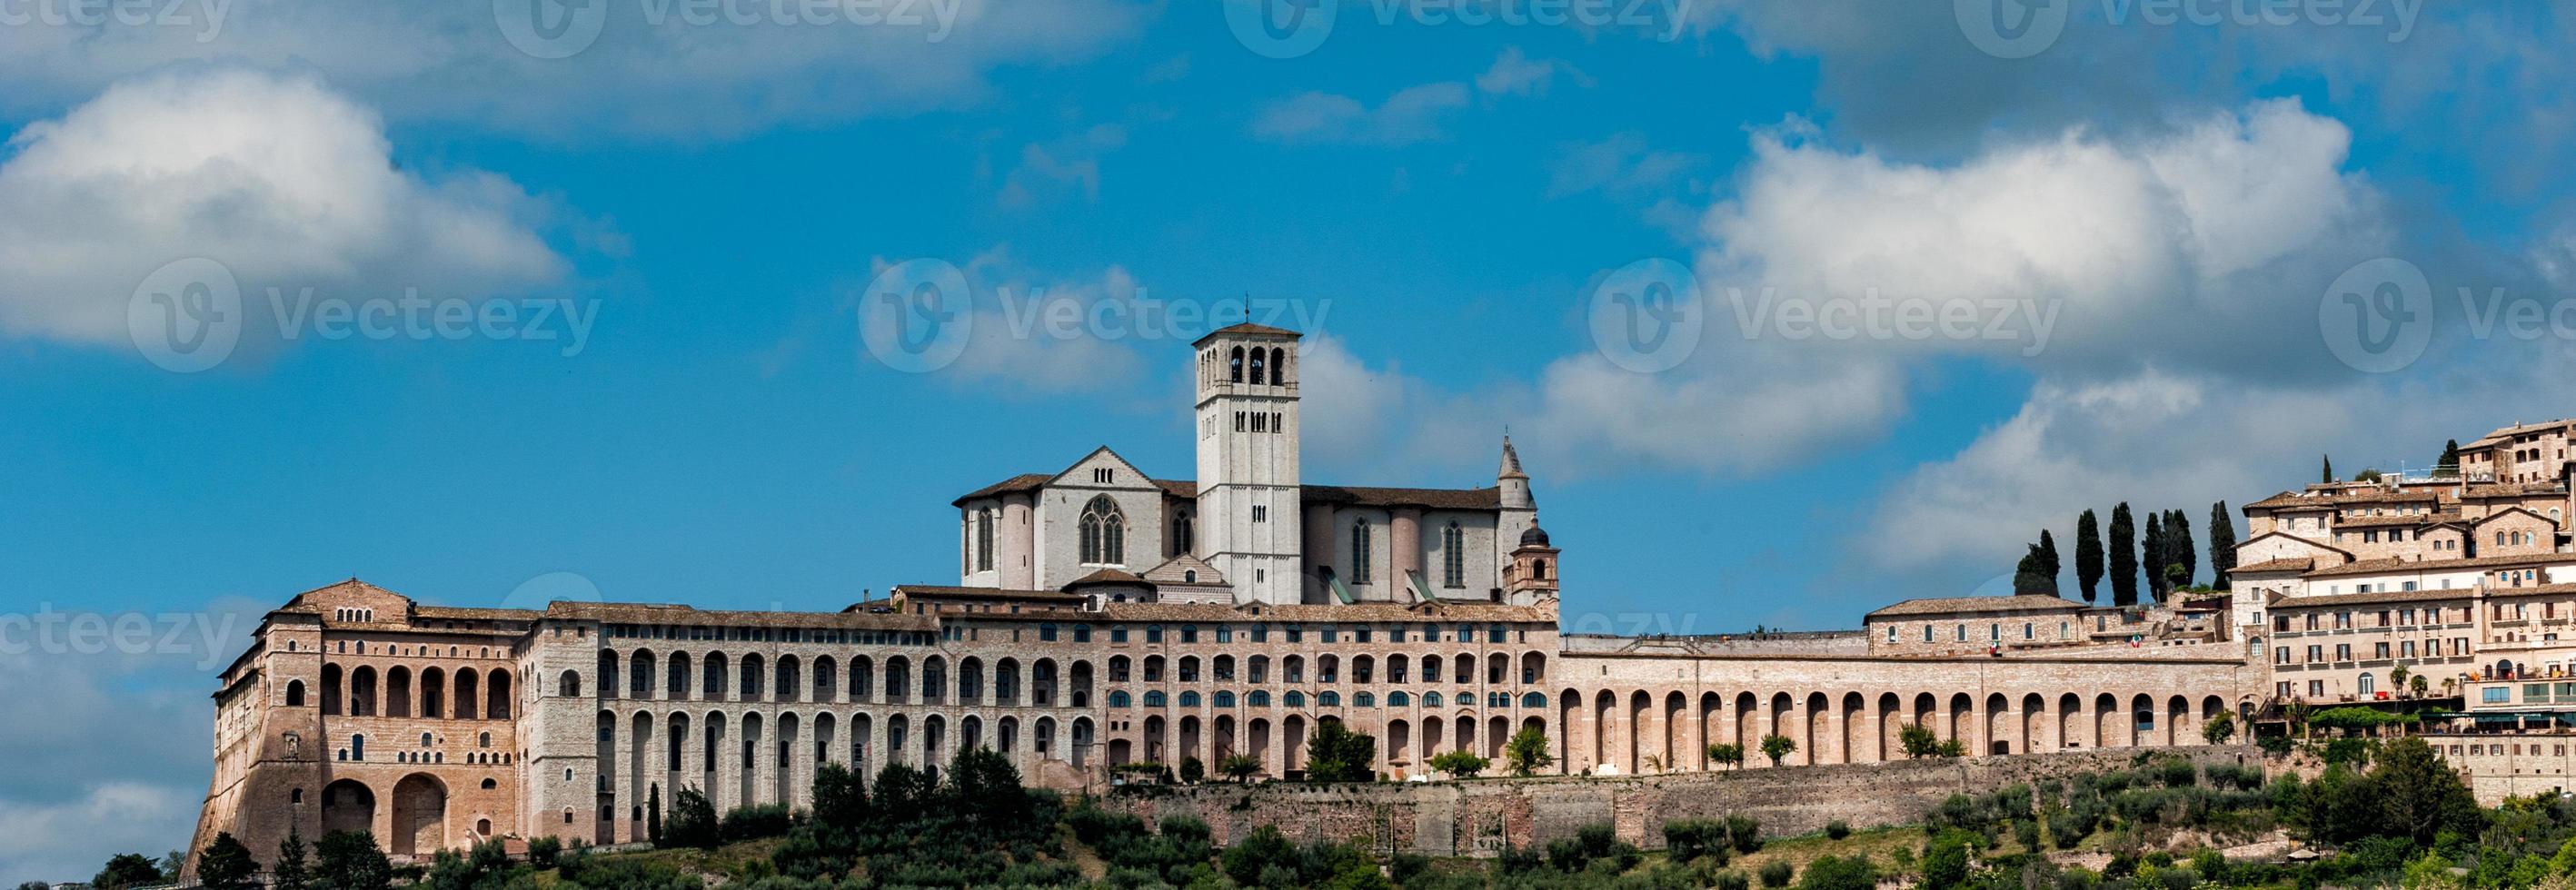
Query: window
[
  {"x": 1398, "y": 699},
  {"x": 983, "y": 540},
  {"x": 1360, "y": 551},
  {"x": 1184, "y": 540},
  {"x": 1104, "y": 533},
  {"x": 1103, "y": 475},
  {"x": 1260, "y": 513},
  {"x": 2496, "y": 695},
  {"x": 1453, "y": 557}
]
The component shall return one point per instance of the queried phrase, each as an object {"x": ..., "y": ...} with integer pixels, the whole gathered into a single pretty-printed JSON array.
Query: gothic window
[
  {"x": 1104, "y": 533},
  {"x": 984, "y": 540},
  {"x": 1453, "y": 557},
  {"x": 1360, "y": 552},
  {"x": 1183, "y": 536},
  {"x": 1234, "y": 365},
  {"x": 1260, "y": 365},
  {"x": 1278, "y": 366}
]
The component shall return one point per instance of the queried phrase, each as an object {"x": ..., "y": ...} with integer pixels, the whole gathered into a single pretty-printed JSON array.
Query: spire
[{"x": 1511, "y": 461}]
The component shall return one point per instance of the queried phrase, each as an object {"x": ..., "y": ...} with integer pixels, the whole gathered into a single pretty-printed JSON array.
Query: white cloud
[
  {"x": 55, "y": 842},
  {"x": 1515, "y": 73},
  {"x": 655, "y": 69},
  {"x": 1622, "y": 166},
  {"x": 1067, "y": 165},
  {"x": 1411, "y": 115},
  {"x": 278, "y": 178}
]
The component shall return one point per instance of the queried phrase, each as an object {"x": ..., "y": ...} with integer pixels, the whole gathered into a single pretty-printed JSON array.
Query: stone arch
[
  {"x": 332, "y": 705},
  {"x": 1814, "y": 731},
  {"x": 419, "y": 816},
  {"x": 469, "y": 692},
  {"x": 295, "y": 693},
  {"x": 398, "y": 692},
  {"x": 1782, "y": 710},
  {"x": 609, "y": 664},
  {"x": 1006, "y": 681},
  {"x": 1998, "y": 732},
  {"x": 827, "y": 680},
  {"x": 2034, "y": 719},
  {"x": 2070, "y": 708},
  {"x": 2106, "y": 714},
  {"x": 497, "y": 691},
  {"x": 1188, "y": 740},
  {"x": 1633, "y": 754},
  {"x": 1081, "y": 742},
  {"x": 639, "y": 675},
  {"x": 785, "y": 765},
  {"x": 1674, "y": 730},
  {"x": 1569, "y": 719},
  {"x": 1155, "y": 750},
  {"x": 755, "y": 675},
  {"x": 1924, "y": 704},
  {"x": 1960, "y": 726},
  {"x": 1891, "y": 720},
  {"x": 1848, "y": 738},
  {"x": 863, "y": 676},
  {"x": 1604, "y": 703},
  {"x": 362, "y": 692},
  {"x": 970, "y": 681},
  {"x": 715, "y": 680},
  {"x": 1747, "y": 737},
  {"x": 348, "y": 805},
  {"x": 1712, "y": 709},
  {"x": 2177, "y": 720},
  {"x": 677, "y": 677},
  {"x": 791, "y": 681},
  {"x": 934, "y": 680}
]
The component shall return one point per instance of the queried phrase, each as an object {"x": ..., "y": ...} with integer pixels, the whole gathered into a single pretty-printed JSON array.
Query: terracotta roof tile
[{"x": 1956, "y": 604}]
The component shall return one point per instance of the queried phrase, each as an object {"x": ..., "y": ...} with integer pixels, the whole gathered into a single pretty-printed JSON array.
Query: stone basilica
[{"x": 1102, "y": 618}]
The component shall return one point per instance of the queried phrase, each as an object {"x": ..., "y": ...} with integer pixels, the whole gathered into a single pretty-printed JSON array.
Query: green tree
[
  {"x": 2030, "y": 575},
  {"x": 1777, "y": 747},
  {"x": 840, "y": 799},
  {"x": 2179, "y": 547},
  {"x": 1336, "y": 754},
  {"x": 1261, "y": 851},
  {"x": 2422, "y": 796},
  {"x": 987, "y": 788},
  {"x": 350, "y": 860},
  {"x": 2222, "y": 545},
  {"x": 2219, "y": 729},
  {"x": 653, "y": 814},
  {"x": 2152, "y": 546},
  {"x": 2326, "y": 474},
  {"x": 1918, "y": 740},
  {"x": 693, "y": 821},
  {"x": 2449, "y": 463},
  {"x": 1193, "y": 770},
  {"x": 1527, "y": 752},
  {"x": 127, "y": 870},
  {"x": 1836, "y": 873},
  {"x": 1462, "y": 764},
  {"x": 1728, "y": 753},
  {"x": 290, "y": 873},
  {"x": 1945, "y": 863},
  {"x": 226, "y": 864},
  {"x": 2124, "y": 557},
  {"x": 2088, "y": 553},
  {"x": 2050, "y": 566},
  {"x": 1239, "y": 767}
]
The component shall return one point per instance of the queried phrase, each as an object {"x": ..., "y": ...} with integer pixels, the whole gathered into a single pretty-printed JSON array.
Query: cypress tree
[
  {"x": 2088, "y": 553},
  {"x": 2152, "y": 547},
  {"x": 2327, "y": 474},
  {"x": 2049, "y": 565},
  {"x": 2124, "y": 557},
  {"x": 653, "y": 815},
  {"x": 2222, "y": 544},
  {"x": 2179, "y": 546},
  {"x": 2030, "y": 574}
]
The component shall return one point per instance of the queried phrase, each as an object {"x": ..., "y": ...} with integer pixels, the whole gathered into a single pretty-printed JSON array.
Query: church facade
[{"x": 1105, "y": 620}]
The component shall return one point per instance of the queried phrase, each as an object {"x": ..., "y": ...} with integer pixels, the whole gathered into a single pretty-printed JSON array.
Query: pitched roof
[
  {"x": 952, "y": 592},
  {"x": 2384, "y": 566},
  {"x": 641, "y": 613},
  {"x": 2401, "y": 519},
  {"x": 1489, "y": 498},
  {"x": 1352, "y": 612},
  {"x": 1175, "y": 569},
  {"x": 2287, "y": 564},
  {"x": 1958, "y": 604},
  {"x": 2301, "y": 499},
  {"x": 2329, "y": 600},
  {"x": 1104, "y": 576}
]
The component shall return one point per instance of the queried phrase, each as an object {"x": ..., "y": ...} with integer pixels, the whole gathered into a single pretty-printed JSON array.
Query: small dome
[{"x": 1536, "y": 536}]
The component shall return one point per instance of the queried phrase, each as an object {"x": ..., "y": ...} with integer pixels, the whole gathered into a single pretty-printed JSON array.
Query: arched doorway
[
  {"x": 420, "y": 816},
  {"x": 348, "y": 806}
]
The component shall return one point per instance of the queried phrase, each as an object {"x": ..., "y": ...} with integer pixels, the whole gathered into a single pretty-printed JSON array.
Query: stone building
[{"x": 1104, "y": 617}]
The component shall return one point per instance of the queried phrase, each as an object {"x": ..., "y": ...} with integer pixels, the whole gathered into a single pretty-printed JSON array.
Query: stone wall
[{"x": 1478, "y": 817}]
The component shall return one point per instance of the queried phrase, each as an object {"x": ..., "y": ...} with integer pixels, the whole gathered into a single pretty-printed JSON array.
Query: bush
[
  {"x": 543, "y": 851},
  {"x": 1833, "y": 873},
  {"x": 756, "y": 823},
  {"x": 1692, "y": 839},
  {"x": 2177, "y": 772},
  {"x": 1838, "y": 829},
  {"x": 1733, "y": 880},
  {"x": 1775, "y": 873},
  {"x": 1744, "y": 833}
]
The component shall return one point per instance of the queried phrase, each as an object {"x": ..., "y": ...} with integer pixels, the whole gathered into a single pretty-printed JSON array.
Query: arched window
[
  {"x": 983, "y": 540},
  {"x": 1363, "y": 700},
  {"x": 1533, "y": 700},
  {"x": 1398, "y": 699},
  {"x": 1189, "y": 576},
  {"x": 1294, "y": 699},
  {"x": 1431, "y": 699},
  {"x": 1104, "y": 533},
  {"x": 1359, "y": 551},
  {"x": 1224, "y": 699},
  {"x": 1189, "y": 699},
  {"x": 295, "y": 693},
  {"x": 1538, "y": 569},
  {"x": 1453, "y": 557},
  {"x": 1234, "y": 365},
  {"x": 357, "y": 747},
  {"x": 1184, "y": 539},
  {"x": 1154, "y": 698},
  {"x": 1257, "y": 698},
  {"x": 1260, "y": 365},
  {"x": 1328, "y": 699},
  {"x": 1118, "y": 698},
  {"x": 1278, "y": 366}
]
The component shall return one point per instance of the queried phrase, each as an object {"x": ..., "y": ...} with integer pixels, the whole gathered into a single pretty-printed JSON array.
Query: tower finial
[{"x": 1511, "y": 460}]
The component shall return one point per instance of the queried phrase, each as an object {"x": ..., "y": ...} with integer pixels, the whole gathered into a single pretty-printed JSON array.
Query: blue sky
[{"x": 1448, "y": 203}]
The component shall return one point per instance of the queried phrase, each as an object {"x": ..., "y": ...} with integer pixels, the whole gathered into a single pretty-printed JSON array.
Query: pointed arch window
[
  {"x": 1360, "y": 552},
  {"x": 1234, "y": 365},
  {"x": 1453, "y": 557},
  {"x": 1279, "y": 366},
  {"x": 983, "y": 540},
  {"x": 1260, "y": 367},
  {"x": 1104, "y": 533}
]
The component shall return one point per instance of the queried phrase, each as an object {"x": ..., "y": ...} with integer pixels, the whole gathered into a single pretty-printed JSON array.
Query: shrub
[
  {"x": 1733, "y": 880},
  {"x": 1775, "y": 873},
  {"x": 1744, "y": 833},
  {"x": 1833, "y": 873},
  {"x": 1838, "y": 829},
  {"x": 1690, "y": 839},
  {"x": 543, "y": 851},
  {"x": 2176, "y": 772},
  {"x": 2026, "y": 833},
  {"x": 756, "y": 822}
]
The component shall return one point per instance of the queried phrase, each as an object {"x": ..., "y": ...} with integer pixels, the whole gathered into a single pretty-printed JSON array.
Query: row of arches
[
  {"x": 742, "y": 759},
  {"x": 1640, "y": 731},
  {"x": 1462, "y": 668},
  {"x": 416, "y": 824},
  {"x": 712, "y": 677},
  {"x": 359, "y": 692},
  {"x": 1280, "y": 744}
]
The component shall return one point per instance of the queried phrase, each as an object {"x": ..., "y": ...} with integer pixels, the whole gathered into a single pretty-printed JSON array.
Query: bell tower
[{"x": 1249, "y": 510}]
